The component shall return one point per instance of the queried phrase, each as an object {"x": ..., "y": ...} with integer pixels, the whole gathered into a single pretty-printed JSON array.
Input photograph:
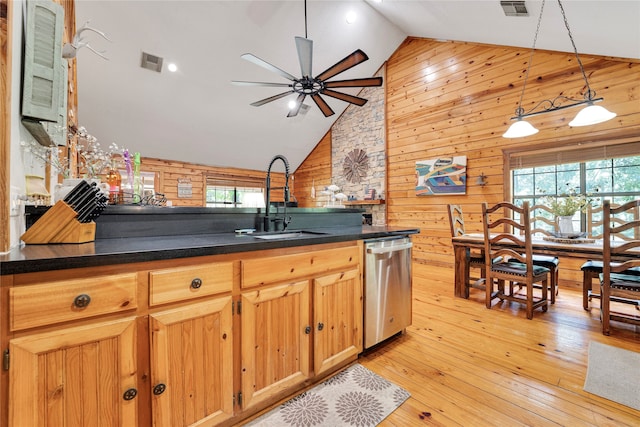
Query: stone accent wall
[{"x": 363, "y": 128}]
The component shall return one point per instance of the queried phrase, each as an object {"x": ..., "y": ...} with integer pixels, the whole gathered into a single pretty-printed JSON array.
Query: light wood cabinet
[
  {"x": 337, "y": 319},
  {"x": 185, "y": 342},
  {"x": 275, "y": 341},
  {"x": 192, "y": 364},
  {"x": 53, "y": 302},
  {"x": 320, "y": 309},
  {"x": 76, "y": 376}
]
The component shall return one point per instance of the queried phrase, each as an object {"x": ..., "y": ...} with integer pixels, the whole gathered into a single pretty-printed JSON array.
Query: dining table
[{"x": 585, "y": 248}]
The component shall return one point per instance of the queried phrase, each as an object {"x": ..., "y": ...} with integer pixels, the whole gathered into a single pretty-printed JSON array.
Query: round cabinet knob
[
  {"x": 320, "y": 326},
  {"x": 159, "y": 389},
  {"x": 82, "y": 301},
  {"x": 130, "y": 394},
  {"x": 196, "y": 283},
  {"x": 307, "y": 330}
]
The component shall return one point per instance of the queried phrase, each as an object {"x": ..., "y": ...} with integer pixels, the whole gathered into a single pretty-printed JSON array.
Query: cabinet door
[
  {"x": 337, "y": 319},
  {"x": 82, "y": 376},
  {"x": 275, "y": 340},
  {"x": 192, "y": 364}
]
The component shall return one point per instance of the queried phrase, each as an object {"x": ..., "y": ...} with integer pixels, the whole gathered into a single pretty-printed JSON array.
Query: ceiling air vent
[
  {"x": 514, "y": 8},
  {"x": 151, "y": 62}
]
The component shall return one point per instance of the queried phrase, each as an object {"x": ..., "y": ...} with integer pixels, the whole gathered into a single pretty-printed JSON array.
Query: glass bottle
[{"x": 115, "y": 184}]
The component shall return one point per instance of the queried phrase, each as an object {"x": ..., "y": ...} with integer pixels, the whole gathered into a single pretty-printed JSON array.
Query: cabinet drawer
[
  {"x": 53, "y": 302},
  {"x": 183, "y": 283},
  {"x": 262, "y": 271}
]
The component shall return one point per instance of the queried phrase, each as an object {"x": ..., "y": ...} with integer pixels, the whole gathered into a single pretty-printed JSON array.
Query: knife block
[{"x": 59, "y": 225}]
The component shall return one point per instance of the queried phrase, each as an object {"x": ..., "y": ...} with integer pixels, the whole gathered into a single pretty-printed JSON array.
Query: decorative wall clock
[{"x": 355, "y": 166}]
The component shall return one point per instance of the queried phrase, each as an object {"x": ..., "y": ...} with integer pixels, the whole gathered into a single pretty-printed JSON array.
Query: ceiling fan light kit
[
  {"x": 307, "y": 85},
  {"x": 590, "y": 115}
]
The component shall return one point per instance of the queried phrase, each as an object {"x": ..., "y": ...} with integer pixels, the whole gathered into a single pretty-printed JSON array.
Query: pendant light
[{"x": 590, "y": 115}]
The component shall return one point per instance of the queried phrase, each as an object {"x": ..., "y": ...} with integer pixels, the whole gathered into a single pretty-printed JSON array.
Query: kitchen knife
[{"x": 76, "y": 191}]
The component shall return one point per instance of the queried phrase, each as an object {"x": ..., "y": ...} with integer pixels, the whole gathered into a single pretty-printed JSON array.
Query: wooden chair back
[
  {"x": 595, "y": 222},
  {"x": 456, "y": 221},
  {"x": 507, "y": 223},
  {"x": 619, "y": 221},
  {"x": 543, "y": 221},
  {"x": 507, "y": 237}
]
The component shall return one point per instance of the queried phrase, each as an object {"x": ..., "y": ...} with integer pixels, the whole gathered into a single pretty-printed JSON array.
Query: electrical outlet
[{"x": 15, "y": 201}]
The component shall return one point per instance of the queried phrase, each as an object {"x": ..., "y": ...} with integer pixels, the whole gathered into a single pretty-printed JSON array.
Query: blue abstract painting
[{"x": 443, "y": 175}]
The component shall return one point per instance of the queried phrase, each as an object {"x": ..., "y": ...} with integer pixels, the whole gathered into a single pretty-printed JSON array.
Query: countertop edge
[{"x": 40, "y": 258}]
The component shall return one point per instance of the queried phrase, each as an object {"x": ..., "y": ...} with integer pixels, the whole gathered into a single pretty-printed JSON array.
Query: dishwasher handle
[{"x": 387, "y": 249}]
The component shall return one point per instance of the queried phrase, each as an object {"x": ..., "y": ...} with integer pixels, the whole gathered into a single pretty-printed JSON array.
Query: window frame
[{"x": 580, "y": 154}]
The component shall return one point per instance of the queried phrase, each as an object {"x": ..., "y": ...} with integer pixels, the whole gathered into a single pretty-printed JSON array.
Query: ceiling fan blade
[
  {"x": 264, "y": 64},
  {"x": 294, "y": 111},
  {"x": 305, "y": 55},
  {"x": 241, "y": 83},
  {"x": 366, "y": 82},
  {"x": 271, "y": 98},
  {"x": 322, "y": 105},
  {"x": 345, "y": 97},
  {"x": 352, "y": 60}
]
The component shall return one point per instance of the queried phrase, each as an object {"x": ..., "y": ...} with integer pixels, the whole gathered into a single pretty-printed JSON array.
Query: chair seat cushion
[
  {"x": 546, "y": 260},
  {"x": 596, "y": 267},
  {"x": 518, "y": 268},
  {"x": 543, "y": 260},
  {"x": 627, "y": 282}
]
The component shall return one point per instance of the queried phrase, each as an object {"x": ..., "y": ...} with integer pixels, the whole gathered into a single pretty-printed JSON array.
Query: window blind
[
  {"x": 235, "y": 182},
  {"x": 575, "y": 154}
]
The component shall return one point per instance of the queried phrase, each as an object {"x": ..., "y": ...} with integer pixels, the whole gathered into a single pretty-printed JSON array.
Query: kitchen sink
[{"x": 283, "y": 235}]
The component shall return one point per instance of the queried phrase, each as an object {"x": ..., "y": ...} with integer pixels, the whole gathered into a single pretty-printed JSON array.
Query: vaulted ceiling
[{"x": 196, "y": 115}]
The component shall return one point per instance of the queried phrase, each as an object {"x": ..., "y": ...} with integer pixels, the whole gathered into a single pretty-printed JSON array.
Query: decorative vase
[{"x": 565, "y": 224}]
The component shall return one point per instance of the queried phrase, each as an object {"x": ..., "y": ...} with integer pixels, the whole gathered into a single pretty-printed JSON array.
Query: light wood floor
[{"x": 466, "y": 365}]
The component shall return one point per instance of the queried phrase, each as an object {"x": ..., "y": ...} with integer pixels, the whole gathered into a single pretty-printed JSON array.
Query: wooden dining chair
[
  {"x": 592, "y": 269},
  {"x": 507, "y": 234},
  {"x": 615, "y": 282},
  {"x": 543, "y": 223},
  {"x": 475, "y": 259}
]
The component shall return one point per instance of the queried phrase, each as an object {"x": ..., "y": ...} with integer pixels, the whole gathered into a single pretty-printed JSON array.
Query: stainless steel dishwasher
[{"x": 387, "y": 281}]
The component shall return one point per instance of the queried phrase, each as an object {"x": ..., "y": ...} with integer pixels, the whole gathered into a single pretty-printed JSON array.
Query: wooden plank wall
[
  {"x": 314, "y": 171},
  {"x": 5, "y": 119},
  {"x": 168, "y": 172},
  {"x": 454, "y": 98}
]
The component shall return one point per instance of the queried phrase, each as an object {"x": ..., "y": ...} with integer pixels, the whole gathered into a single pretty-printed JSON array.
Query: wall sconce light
[
  {"x": 590, "y": 115},
  {"x": 481, "y": 180}
]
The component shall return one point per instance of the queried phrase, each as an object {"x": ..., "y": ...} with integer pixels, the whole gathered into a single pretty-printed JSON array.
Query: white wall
[{"x": 20, "y": 163}]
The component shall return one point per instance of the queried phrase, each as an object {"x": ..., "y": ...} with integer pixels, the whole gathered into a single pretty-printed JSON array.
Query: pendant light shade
[
  {"x": 591, "y": 115},
  {"x": 519, "y": 129}
]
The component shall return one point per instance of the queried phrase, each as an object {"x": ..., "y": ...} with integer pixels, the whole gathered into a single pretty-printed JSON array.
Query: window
[
  {"x": 613, "y": 178},
  {"x": 234, "y": 193}
]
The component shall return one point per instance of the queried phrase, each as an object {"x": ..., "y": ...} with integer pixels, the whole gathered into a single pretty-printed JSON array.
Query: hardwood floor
[{"x": 466, "y": 365}]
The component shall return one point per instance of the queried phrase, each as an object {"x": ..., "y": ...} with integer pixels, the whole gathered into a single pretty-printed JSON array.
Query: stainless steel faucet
[{"x": 267, "y": 220}]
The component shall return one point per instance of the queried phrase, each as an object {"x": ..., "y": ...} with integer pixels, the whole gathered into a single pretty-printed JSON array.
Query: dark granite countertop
[{"x": 37, "y": 258}]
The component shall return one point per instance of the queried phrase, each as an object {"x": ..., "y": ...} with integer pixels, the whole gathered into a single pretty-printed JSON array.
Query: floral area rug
[{"x": 353, "y": 397}]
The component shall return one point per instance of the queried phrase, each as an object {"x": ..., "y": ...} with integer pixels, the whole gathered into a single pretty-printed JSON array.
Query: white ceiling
[{"x": 196, "y": 115}]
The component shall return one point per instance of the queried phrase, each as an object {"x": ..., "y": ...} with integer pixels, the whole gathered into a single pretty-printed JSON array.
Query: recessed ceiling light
[
  {"x": 172, "y": 67},
  {"x": 351, "y": 17},
  {"x": 292, "y": 104}
]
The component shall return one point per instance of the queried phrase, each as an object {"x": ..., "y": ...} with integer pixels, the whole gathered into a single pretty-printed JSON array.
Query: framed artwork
[{"x": 443, "y": 175}]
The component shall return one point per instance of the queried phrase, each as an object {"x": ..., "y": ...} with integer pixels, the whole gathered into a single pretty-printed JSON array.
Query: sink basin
[{"x": 283, "y": 235}]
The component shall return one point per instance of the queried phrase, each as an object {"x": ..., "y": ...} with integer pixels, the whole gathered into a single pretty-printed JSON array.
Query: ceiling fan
[{"x": 307, "y": 85}]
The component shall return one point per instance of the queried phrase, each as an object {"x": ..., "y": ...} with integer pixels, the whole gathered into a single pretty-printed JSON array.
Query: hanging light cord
[
  {"x": 520, "y": 110},
  {"x": 590, "y": 94}
]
